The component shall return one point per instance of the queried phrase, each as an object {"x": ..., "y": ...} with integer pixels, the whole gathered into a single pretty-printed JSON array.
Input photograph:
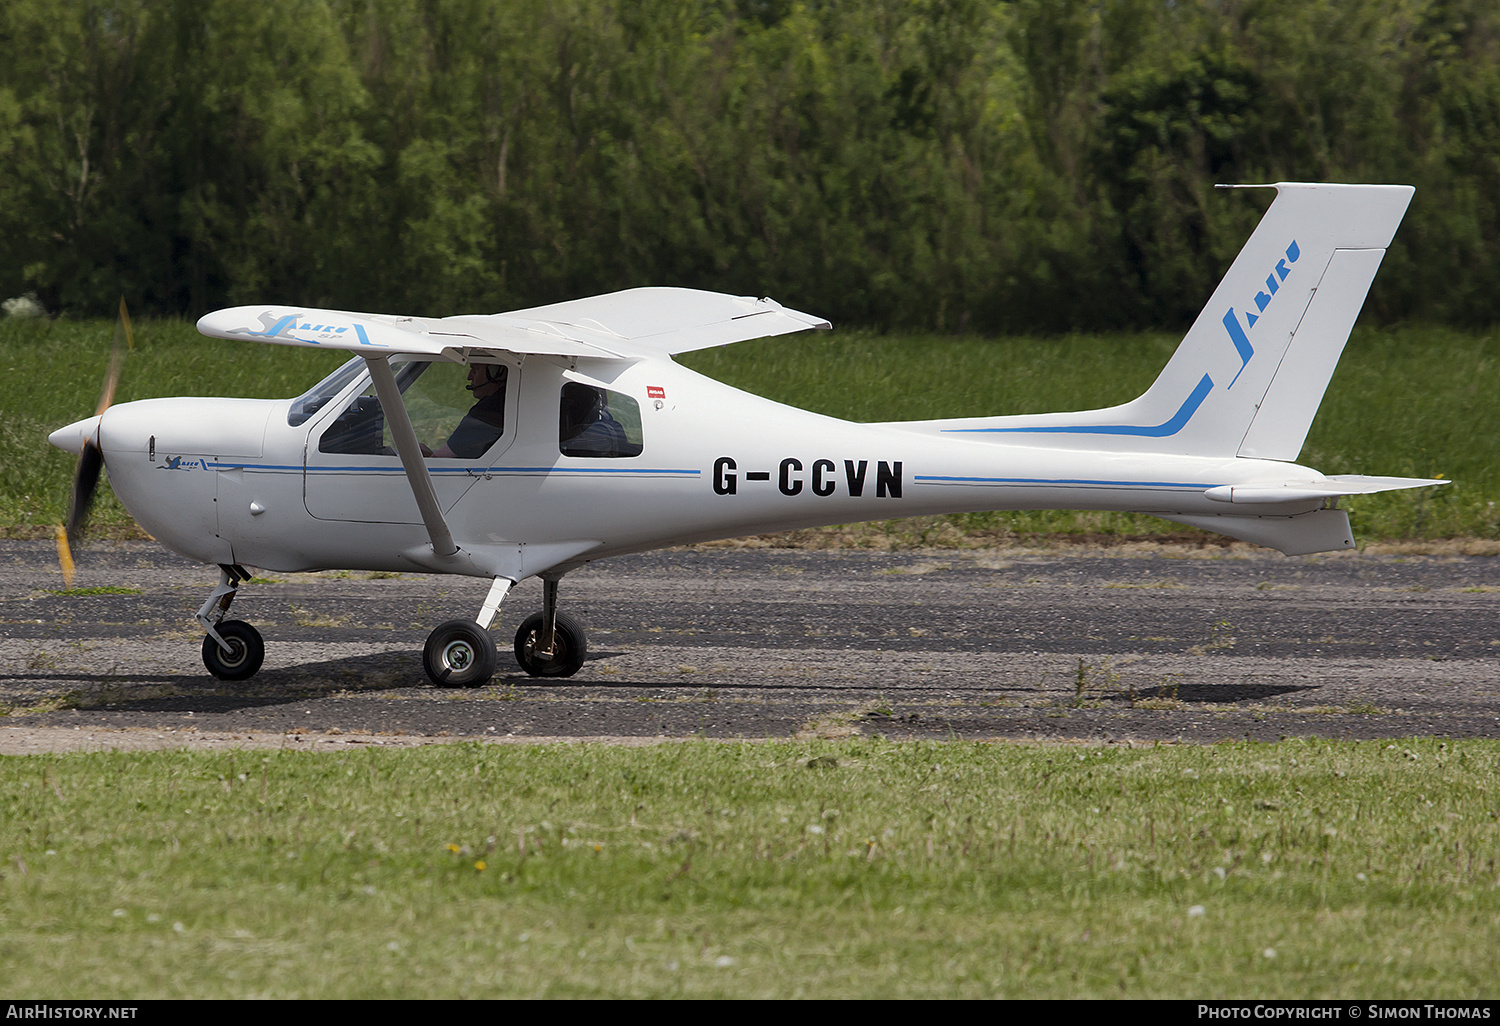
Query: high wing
[{"x": 630, "y": 325}]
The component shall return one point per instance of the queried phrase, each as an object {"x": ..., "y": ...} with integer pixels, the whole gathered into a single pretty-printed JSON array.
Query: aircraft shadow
[
  {"x": 348, "y": 677},
  {"x": 82, "y": 678},
  {"x": 1218, "y": 694},
  {"x": 383, "y": 673}
]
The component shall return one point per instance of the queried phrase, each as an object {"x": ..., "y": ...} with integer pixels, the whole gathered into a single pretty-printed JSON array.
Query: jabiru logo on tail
[{"x": 1238, "y": 334}]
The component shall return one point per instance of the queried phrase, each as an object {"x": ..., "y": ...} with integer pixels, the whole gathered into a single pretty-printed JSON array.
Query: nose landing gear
[{"x": 233, "y": 649}]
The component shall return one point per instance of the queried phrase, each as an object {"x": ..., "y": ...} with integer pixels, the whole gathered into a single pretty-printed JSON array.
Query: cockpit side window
[
  {"x": 598, "y": 423},
  {"x": 361, "y": 429},
  {"x": 479, "y": 428},
  {"x": 449, "y": 422}
]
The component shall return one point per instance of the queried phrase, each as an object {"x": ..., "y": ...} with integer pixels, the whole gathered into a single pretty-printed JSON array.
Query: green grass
[
  {"x": 1301, "y": 869},
  {"x": 1411, "y": 401}
]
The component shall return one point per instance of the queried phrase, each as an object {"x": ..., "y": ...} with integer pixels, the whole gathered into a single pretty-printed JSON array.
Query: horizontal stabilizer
[{"x": 1326, "y": 488}]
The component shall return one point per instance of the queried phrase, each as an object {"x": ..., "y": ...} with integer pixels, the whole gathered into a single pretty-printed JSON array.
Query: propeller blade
[
  {"x": 116, "y": 358},
  {"x": 85, "y": 481},
  {"x": 64, "y": 556},
  {"x": 91, "y": 460}
]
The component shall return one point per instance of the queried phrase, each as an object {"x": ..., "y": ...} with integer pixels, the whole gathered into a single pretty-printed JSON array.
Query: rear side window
[{"x": 597, "y": 423}]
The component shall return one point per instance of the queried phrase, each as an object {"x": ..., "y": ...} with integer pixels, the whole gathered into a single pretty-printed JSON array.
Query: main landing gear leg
[
  {"x": 549, "y": 643},
  {"x": 461, "y": 653},
  {"x": 233, "y": 649}
]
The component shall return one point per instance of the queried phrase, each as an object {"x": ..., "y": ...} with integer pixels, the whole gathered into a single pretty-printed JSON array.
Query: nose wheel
[{"x": 245, "y": 652}]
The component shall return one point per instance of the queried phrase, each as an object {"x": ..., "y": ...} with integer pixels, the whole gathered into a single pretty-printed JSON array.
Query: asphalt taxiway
[{"x": 1103, "y": 646}]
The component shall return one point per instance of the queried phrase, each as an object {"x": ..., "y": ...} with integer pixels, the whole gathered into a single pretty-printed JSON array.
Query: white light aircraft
[{"x": 583, "y": 439}]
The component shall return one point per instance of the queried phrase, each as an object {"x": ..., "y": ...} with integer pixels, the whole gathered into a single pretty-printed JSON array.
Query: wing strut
[{"x": 411, "y": 455}]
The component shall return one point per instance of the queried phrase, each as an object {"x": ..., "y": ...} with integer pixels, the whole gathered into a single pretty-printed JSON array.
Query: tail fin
[{"x": 1250, "y": 373}]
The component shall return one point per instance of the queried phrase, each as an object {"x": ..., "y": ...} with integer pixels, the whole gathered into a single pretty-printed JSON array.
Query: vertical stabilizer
[{"x": 1249, "y": 375}]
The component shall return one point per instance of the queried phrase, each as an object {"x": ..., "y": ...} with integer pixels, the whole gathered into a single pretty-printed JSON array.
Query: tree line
[{"x": 1035, "y": 165}]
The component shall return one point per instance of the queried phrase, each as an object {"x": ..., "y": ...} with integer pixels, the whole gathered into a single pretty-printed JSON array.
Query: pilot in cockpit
[{"x": 485, "y": 420}]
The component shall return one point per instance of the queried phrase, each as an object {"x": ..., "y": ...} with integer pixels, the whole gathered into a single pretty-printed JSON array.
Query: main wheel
[
  {"x": 459, "y": 654},
  {"x": 568, "y": 647},
  {"x": 246, "y": 651}
]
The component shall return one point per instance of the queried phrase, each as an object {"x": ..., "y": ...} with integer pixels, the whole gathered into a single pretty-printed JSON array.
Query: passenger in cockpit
[{"x": 585, "y": 426}]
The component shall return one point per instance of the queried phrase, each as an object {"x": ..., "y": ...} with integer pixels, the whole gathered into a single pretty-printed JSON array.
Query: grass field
[
  {"x": 1417, "y": 402},
  {"x": 860, "y": 868}
]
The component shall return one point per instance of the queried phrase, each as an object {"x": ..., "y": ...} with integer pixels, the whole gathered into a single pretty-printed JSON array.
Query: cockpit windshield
[{"x": 315, "y": 398}]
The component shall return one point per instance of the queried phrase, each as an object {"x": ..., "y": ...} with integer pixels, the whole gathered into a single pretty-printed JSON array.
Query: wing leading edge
[{"x": 630, "y": 325}]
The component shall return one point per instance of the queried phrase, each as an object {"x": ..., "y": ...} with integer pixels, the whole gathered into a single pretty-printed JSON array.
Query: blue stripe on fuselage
[
  {"x": 1050, "y": 481},
  {"x": 1165, "y": 429}
]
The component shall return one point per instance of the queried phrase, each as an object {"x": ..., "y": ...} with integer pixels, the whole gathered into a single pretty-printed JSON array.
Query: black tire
[
  {"x": 246, "y": 651},
  {"x": 568, "y": 649},
  {"x": 460, "y": 654}
]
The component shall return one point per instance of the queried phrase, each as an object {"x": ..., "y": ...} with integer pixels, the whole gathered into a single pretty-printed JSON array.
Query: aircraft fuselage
[{"x": 232, "y": 481}]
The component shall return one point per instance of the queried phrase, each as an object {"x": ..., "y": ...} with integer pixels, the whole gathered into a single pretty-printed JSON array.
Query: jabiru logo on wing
[{"x": 288, "y": 326}]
